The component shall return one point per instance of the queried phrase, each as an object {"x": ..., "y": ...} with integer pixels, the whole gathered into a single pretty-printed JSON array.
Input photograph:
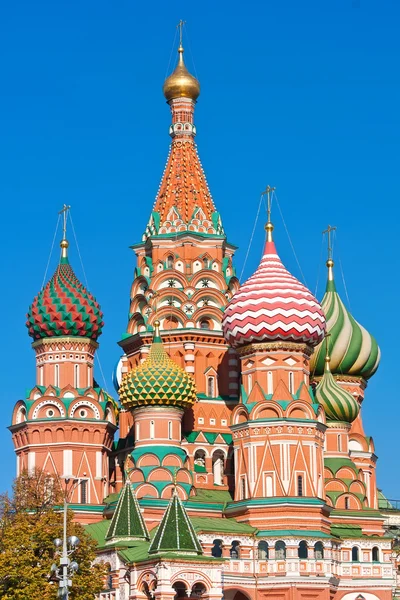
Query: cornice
[{"x": 276, "y": 347}]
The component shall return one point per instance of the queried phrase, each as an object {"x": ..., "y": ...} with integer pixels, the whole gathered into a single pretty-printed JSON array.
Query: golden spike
[
  {"x": 329, "y": 262},
  {"x": 64, "y": 242},
  {"x": 269, "y": 227}
]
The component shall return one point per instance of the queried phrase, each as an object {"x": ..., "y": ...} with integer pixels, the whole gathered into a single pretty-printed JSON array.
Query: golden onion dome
[
  {"x": 159, "y": 381},
  {"x": 181, "y": 84}
]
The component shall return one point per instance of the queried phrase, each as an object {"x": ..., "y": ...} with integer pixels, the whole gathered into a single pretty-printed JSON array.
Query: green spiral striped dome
[
  {"x": 158, "y": 381},
  {"x": 352, "y": 349},
  {"x": 339, "y": 405}
]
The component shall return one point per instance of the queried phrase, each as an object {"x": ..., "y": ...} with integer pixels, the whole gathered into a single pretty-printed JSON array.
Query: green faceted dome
[
  {"x": 158, "y": 381},
  {"x": 339, "y": 404},
  {"x": 352, "y": 349}
]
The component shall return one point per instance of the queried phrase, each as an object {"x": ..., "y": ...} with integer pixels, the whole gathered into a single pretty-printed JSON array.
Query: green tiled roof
[
  {"x": 207, "y": 496},
  {"x": 160, "y": 452},
  {"x": 135, "y": 553},
  {"x": 219, "y": 525},
  {"x": 127, "y": 523},
  {"x": 289, "y": 532},
  {"x": 346, "y": 531},
  {"x": 210, "y": 436},
  {"x": 334, "y": 464},
  {"x": 175, "y": 532}
]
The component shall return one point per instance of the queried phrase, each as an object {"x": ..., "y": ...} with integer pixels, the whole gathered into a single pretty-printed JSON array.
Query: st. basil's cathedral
[{"x": 235, "y": 464}]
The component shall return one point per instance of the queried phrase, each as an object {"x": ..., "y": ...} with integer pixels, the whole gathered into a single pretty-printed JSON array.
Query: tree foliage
[{"x": 29, "y": 522}]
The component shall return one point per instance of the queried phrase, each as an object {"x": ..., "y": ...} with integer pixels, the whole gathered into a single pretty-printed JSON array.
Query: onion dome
[
  {"x": 64, "y": 307},
  {"x": 181, "y": 84},
  {"x": 158, "y": 381},
  {"x": 352, "y": 349},
  {"x": 273, "y": 306},
  {"x": 339, "y": 404}
]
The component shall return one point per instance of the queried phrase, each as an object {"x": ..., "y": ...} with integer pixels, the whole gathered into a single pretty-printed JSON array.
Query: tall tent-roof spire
[
  {"x": 175, "y": 532},
  {"x": 127, "y": 523},
  {"x": 353, "y": 350}
]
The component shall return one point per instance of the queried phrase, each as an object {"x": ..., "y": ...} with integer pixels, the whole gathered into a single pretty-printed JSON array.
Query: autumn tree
[{"x": 30, "y": 520}]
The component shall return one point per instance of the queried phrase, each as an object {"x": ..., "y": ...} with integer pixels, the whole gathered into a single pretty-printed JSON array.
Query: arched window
[
  {"x": 76, "y": 376},
  {"x": 218, "y": 467},
  {"x": 302, "y": 550},
  {"x": 211, "y": 387},
  {"x": 269, "y": 486},
  {"x": 200, "y": 461},
  {"x": 242, "y": 488},
  {"x": 339, "y": 443},
  {"x": 346, "y": 503},
  {"x": 199, "y": 590},
  {"x": 205, "y": 263},
  {"x": 235, "y": 550},
  {"x": 318, "y": 551},
  {"x": 138, "y": 431},
  {"x": 300, "y": 485},
  {"x": 109, "y": 578},
  {"x": 263, "y": 551},
  {"x": 249, "y": 382},
  {"x": 280, "y": 550},
  {"x": 355, "y": 554},
  {"x": 83, "y": 486},
  {"x": 180, "y": 590},
  {"x": 170, "y": 262},
  {"x": 216, "y": 550},
  {"x": 375, "y": 554},
  {"x": 170, "y": 430},
  {"x": 204, "y": 324},
  {"x": 152, "y": 430}
]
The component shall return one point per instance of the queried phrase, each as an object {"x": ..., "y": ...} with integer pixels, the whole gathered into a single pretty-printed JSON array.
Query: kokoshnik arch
[{"x": 241, "y": 468}]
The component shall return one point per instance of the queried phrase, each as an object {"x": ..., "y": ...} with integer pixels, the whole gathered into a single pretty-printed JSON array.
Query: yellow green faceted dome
[
  {"x": 159, "y": 381},
  {"x": 339, "y": 404}
]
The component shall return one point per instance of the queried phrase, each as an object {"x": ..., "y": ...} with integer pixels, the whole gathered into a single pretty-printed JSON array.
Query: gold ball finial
[
  {"x": 269, "y": 227},
  {"x": 157, "y": 323},
  {"x": 181, "y": 84},
  {"x": 329, "y": 263},
  {"x": 64, "y": 244}
]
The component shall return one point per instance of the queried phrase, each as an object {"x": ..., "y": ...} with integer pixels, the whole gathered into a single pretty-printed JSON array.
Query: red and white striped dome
[{"x": 273, "y": 306}]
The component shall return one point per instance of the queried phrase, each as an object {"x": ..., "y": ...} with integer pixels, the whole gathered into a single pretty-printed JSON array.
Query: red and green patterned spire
[{"x": 64, "y": 307}]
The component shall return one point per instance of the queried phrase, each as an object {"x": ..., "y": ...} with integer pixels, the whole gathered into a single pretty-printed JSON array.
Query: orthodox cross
[
  {"x": 180, "y": 27},
  {"x": 328, "y": 231},
  {"x": 267, "y": 193},
  {"x": 64, "y": 213}
]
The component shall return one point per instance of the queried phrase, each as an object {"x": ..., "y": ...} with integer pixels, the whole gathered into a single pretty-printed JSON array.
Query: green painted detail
[
  {"x": 149, "y": 263},
  {"x": 218, "y": 525},
  {"x": 210, "y": 436},
  {"x": 334, "y": 464},
  {"x": 339, "y": 404},
  {"x": 352, "y": 349},
  {"x": 276, "y": 500},
  {"x": 292, "y": 532},
  {"x": 346, "y": 531},
  {"x": 206, "y": 496},
  {"x": 158, "y": 381},
  {"x": 175, "y": 532},
  {"x": 160, "y": 452},
  {"x": 127, "y": 523},
  {"x": 199, "y": 469},
  {"x": 135, "y": 553},
  {"x": 161, "y": 485}
]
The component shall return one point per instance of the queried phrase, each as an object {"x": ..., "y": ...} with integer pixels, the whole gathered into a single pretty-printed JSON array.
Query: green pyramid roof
[
  {"x": 175, "y": 532},
  {"x": 127, "y": 523}
]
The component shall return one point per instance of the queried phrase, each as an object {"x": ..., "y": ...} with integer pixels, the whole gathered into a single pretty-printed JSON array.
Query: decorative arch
[
  {"x": 50, "y": 402},
  {"x": 84, "y": 404},
  {"x": 146, "y": 489},
  {"x": 267, "y": 410}
]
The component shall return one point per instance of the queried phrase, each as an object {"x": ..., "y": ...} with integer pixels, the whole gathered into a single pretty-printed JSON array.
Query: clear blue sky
[{"x": 304, "y": 96}]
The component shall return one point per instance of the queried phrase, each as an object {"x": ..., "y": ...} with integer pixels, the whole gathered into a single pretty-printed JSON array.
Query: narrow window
[
  {"x": 217, "y": 548},
  {"x": 76, "y": 376},
  {"x": 375, "y": 554},
  {"x": 339, "y": 443},
  {"x": 318, "y": 551},
  {"x": 355, "y": 554},
  {"x": 84, "y": 491},
  {"x": 152, "y": 430},
  {"x": 291, "y": 382},
  {"x": 263, "y": 551},
  {"x": 249, "y": 382},
  {"x": 210, "y": 387},
  {"x": 170, "y": 262},
  {"x": 89, "y": 380},
  {"x": 269, "y": 487},
  {"x": 300, "y": 485},
  {"x": 205, "y": 263},
  {"x": 302, "y": 550},
  {"x": 270, "y": 383},
  {"x": 170, "y": 430},
  {"x": 41, "y": 379},
  {"x": 235, "y": 551},
  {"x": 242, "y": 488},
  {"x": 280, "y": 550},
  {"x": 346, "y": 503},
  {"x": 138, "y": 431},
  {"x": 57, "y": 375}
]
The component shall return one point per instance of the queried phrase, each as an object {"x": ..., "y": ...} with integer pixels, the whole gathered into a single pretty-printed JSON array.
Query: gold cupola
[{"x": 181, "y": 84}]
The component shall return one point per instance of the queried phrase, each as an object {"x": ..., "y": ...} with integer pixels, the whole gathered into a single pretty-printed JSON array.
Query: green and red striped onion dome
[
  {"x": 339, "y": 404},
  {"x": 352, "y": 349},
  {"x": 64, "y": 307},
  {"x": 158, "y": 381}
]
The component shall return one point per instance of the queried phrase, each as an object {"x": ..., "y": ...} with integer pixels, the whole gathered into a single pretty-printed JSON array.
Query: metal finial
[
  {"x": 327, "y": 357},
  {"x": 329, "y": 262},
  {"x": 180, "y": 27},
  {"x": 64, "y": 242},
  {"x": 269, "y": 227}
]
